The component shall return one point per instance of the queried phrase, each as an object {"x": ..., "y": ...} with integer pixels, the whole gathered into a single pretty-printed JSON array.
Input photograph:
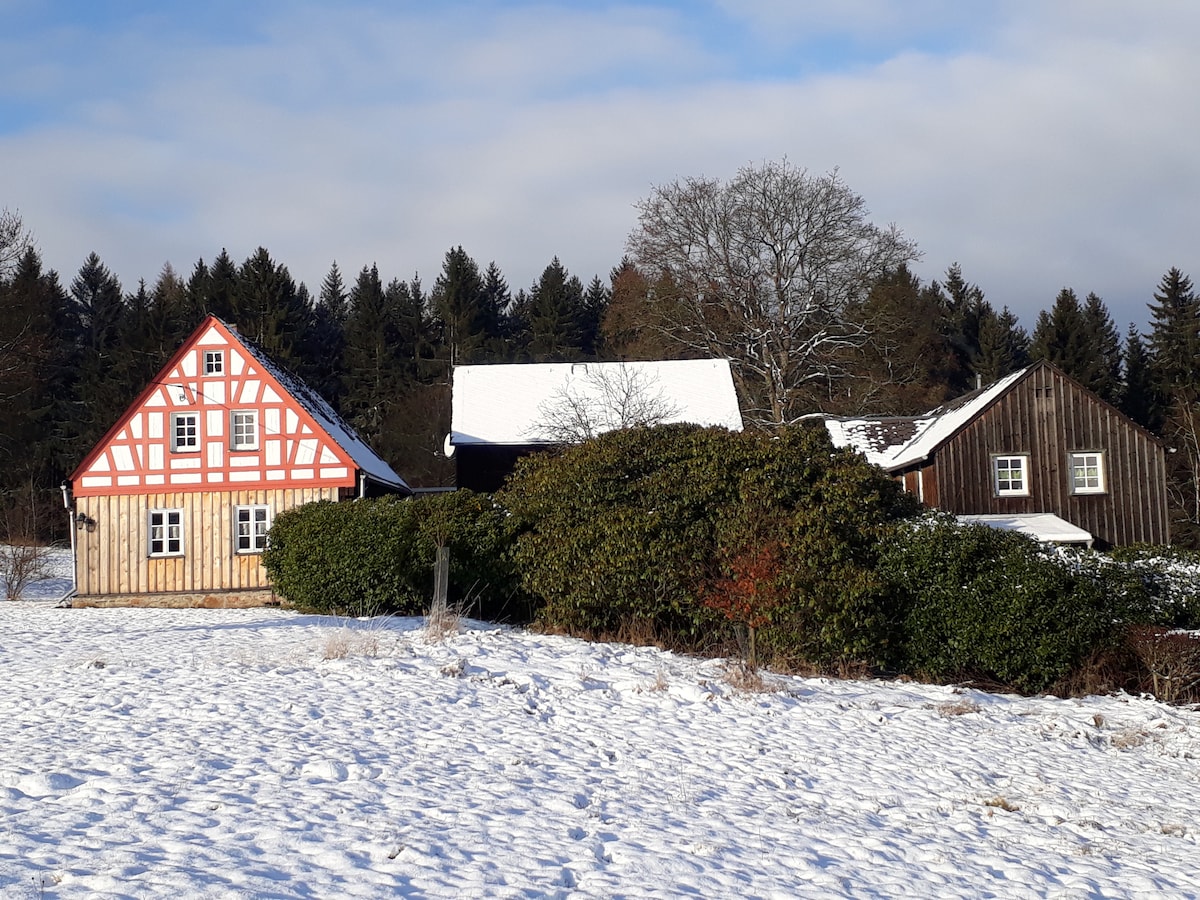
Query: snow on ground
[{"x": 269, "y": 754}]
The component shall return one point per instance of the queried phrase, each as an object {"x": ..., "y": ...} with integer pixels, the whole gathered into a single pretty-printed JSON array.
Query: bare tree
[
  {"x": 609, "y": 397},
  {"x": 762, "y": 270},
  {"x": 14, "y": 242}
]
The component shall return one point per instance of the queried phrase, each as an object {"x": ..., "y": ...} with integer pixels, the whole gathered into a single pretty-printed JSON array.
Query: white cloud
[{"x": 1053, "y": 148}]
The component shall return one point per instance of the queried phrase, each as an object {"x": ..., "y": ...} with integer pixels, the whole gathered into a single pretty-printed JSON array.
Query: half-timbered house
[
  {"x": 173, "y": 505},
  {"x": 1035, "y": 452}
]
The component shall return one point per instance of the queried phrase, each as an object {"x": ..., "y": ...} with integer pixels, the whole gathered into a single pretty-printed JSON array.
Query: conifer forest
[{"x": 831, "y": 321}]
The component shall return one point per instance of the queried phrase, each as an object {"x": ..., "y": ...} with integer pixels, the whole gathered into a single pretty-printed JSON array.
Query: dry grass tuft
[
  {"x": 442, "y": 624},
  {"x": 952, "y": 708},
  {"x": 1001, "y": 803},
  {"x": 351, "y": 642},
  {"x": 742, "y": 676}
]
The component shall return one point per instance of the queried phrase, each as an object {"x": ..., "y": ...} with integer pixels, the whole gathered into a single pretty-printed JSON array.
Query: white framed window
[
  {"x": 214, "y": 362},
  {"x": 250, "y": 526},
  {"x": 1087, "y": 473},
  {"x": 243, "y": 429},
  {"x": 1010, "y": 475},
  {"x": 166, "y": 532},
  {"x": 185, "y": 432}
]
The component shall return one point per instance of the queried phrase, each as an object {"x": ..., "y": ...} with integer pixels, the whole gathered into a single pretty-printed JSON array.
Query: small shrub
[
  {"x": 1170, "y": 661},
  {"x": 371, "y": 557},
  {"x": 984, "y": 603}
]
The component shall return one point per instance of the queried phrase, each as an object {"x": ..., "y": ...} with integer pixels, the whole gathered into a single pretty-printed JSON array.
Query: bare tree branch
[
  {"x": 762, "y": 271},
  {"x": 609, "y": 397}
]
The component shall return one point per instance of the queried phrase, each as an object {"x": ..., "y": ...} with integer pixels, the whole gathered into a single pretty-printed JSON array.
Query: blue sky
[{"x": 1039, "y": 144}]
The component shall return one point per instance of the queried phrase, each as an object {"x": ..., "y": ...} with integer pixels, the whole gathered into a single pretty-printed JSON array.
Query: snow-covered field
[{"x": 260, "y": 753}]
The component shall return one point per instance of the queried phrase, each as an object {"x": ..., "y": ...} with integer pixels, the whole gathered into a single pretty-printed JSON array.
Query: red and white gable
[{"x": 215, "y": 418}]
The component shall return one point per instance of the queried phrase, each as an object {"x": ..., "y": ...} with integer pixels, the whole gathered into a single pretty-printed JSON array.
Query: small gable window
[
  {"x": 214, "y": 362},
  {"x": 1087, "y": 473},
  {"x": 166, "y": 532},
  {"x": 1011, "y": 476},
  {"x": 185, "y": 432},
  {"x": 243, "y": 429},
  {"x": 250, "y": 526}
]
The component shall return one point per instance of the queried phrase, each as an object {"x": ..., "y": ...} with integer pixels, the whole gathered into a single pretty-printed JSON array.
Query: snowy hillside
[{"x": 199, "y": 753}]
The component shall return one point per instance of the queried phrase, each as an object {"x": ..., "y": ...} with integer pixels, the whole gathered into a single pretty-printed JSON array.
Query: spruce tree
[
  {"x": 1061, "y": 336},
  {"x": 555, "y": 313},
  {"x": 1003, "y": 346},
  {"x": 458, "y": 308},
  {"x": 1101, "y": 367},
  {"x": 1138, "y": 398}
]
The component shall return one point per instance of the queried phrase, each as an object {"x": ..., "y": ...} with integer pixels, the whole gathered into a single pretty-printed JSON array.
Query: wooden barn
[
  {"x": 1035, "y": 452},
  {"x": 173, "y": 505},
  {"x": 500, "y": 413}
]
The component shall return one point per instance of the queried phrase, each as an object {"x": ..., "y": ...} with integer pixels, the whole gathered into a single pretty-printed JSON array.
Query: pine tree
[
  {"x": 496, "y": 303},
  {"x": 907, "y": 364},
  {"x": 1138, "y": 398},
  {"x": 555, "y": 312},
  {"x": 326, "y": 344},
  {"x": 458, "y": 308},
  {"x": 103, "y": 390},
  {"x": 1061, "y": 336},
  {"x": 1101, "y": 369},
  {"x": 373, "y": 372},
  {"x": 1175, "y": 358},
  {"x": 271, "y": 311},
  {"x": 1003, "y": 346},
  {"x": 595, "y": 304},
  {"x": 1175, "y": 333}
]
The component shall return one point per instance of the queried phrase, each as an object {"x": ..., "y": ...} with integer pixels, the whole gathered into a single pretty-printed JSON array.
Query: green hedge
[
  {"x": 368, "y": 557},
  {"x": 627, "y": 534},
  {"x": 981, "y": 603}
]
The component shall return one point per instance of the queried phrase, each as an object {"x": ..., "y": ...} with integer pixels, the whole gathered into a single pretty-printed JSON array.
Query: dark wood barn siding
[{"x": 1048, "y": 417}]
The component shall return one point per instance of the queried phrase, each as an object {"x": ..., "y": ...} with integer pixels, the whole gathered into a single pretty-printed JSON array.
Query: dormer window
[{"x": 214, "y": 362}]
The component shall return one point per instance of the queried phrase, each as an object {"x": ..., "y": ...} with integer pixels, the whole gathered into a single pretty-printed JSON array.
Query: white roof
[
  {"x": 898, "y": 442},
  {"x": 515, "y": 404},
  {"x": 1040, "y": 526}
]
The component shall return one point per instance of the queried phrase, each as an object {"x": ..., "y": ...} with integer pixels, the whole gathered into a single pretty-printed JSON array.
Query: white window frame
[
  {"x": 1091, "y": 484},
  {"x": 214, "y": 362},
  {"x": 239, "y": 445},
  {"x": 190, "y": 443},
  {"x": 164, "y": 528},
  {"x": 250, "y": 527},
  {"x": 1004, "y": 463}
]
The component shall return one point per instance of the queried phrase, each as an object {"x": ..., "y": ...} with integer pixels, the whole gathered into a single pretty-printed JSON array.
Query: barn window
[
  {"x": 1087, "y": 473},
  {"x": 1011, "y": 475},
  {"x": 243, "y": 430},
  {"x": 214, "y": 362},
  {"x": 166, "y": 532},
  {"x": 185, "y": 432},
  {"x": 250, "y": 526}
]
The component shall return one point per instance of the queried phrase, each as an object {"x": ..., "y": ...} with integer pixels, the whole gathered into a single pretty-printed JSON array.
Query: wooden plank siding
[
  {"x": 113, "y": 555},
  {"x": 1048, "y": 416}
]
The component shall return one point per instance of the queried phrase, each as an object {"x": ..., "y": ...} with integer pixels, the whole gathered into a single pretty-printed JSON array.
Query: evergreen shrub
[
  {"x": 630, "y": 534},
  {"x": 376, "y": 556},
  {"x": 981, "y": 603}
]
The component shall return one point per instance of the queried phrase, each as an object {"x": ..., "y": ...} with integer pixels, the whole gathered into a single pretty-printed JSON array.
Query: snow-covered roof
[
  {"x": 1040, "y": 526},
  {"x": 518, "y": 404},
  {"x": 339, "y": 431},
  {"x": 896, "y": 442}
]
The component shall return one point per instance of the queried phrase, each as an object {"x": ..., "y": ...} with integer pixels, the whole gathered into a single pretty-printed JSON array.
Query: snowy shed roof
[
  {"x": 896, "y": 442},
  {"x": 517, "y": 404},
  {"x": 1040, "y": 526}
]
